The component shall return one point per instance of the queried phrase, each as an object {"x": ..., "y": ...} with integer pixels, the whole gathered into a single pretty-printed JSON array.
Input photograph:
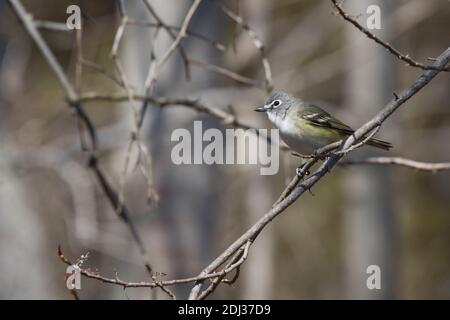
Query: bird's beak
[{"x": 262, "y": 109}]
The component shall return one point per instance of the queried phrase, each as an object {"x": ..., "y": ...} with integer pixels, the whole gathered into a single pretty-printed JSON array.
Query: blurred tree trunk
[
  {"x": 257, "y": 277},
  {"x": 368, "y": 216},
  {"x": 258, "y": 272}
]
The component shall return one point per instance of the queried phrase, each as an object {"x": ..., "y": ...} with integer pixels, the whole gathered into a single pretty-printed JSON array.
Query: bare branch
[
  {"x": 219, "y": 46},
  {"x": 256, "y": 41},
  {"x": 227, "y": 73},
  {"x": 169, "y": 29},
  {"x": 53, "y": 26},
  {"x": 154, "y": 284},
  {"x": 408, "y": 163},
  {"x": 234, "y": 264},
  {"x": 386, "y": 45},
  {"x": 180, "y": 36}
]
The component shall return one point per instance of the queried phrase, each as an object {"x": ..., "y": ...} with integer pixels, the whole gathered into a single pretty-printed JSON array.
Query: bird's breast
[{"x": 296, "y": 134}]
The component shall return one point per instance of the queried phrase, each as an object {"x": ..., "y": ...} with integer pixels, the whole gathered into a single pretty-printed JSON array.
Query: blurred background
[{"x": 319, "y": 248}]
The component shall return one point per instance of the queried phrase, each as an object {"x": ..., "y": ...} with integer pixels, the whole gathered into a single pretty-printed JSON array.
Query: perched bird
[{"x": 305, "y": 127}]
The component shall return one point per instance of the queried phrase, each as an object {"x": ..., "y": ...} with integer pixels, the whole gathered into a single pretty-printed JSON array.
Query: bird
[{"x": 305, "y": 127}]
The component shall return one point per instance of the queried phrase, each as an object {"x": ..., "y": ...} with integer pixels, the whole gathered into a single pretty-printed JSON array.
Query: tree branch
[
  {"x": 386, "y": 45},
  {"x": 312, "y": 179},
  {"x": 256, "y": 41},
  {"x": 408, "y": 163},
  {"x": 142, "y": 284}
]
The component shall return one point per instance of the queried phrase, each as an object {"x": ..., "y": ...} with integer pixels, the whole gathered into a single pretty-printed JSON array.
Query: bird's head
[{"x": 278, "y": 101}]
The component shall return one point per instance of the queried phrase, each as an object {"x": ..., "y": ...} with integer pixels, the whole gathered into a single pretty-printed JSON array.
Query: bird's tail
[{"x": 379, "y": 144}]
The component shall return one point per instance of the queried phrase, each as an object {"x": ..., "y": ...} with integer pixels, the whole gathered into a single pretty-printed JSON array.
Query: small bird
[{"x": 305, "y": 127}]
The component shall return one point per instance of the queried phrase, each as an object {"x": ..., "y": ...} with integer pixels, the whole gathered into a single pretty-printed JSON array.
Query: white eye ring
[{"x": 276, "y": 103}]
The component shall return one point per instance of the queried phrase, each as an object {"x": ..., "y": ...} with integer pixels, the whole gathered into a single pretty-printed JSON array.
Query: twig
[
  {"x": 169, "y": 29},
  {"x": 234, "y": 264},
  {"x": 313, "y": 159},
  {"x": 135, "y": 135},
  {"x": 166, "y": 102},
  {"x": 155, "y": 66},
  {"x": 362, "y": 142},
  {"x": 163, "y": 102},
  {"x": 118, "y": 36},
  {"x": 180, "y": 36},
  {"x": 226, "y": 72},
  {"x": 154, "y": 284},
  {"x": 408, "y": 163},
  {"x": 386, "y": 45},
  {"x": 219, "y": 46},
  {"x": 51, "y": 25},
  {"x": 256, "y": 41},
  {"x": 102, "y": 70}
]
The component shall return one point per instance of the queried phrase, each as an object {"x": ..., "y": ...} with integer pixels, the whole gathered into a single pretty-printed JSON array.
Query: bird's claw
[{"x": 301, "y": 172}]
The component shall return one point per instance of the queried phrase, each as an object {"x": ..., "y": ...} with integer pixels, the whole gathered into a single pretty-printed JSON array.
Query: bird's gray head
[{"x": 278, "y": 102}]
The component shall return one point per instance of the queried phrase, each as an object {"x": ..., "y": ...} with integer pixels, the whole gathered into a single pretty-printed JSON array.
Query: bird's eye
[{"x": 276, "y": 103}]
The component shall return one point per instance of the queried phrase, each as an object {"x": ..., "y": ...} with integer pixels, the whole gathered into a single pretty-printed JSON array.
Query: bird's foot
[{"x": 301, "y": 171}]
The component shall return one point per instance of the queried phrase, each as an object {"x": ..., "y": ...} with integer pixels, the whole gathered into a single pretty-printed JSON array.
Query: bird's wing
[{"x": 321, "y": 118}]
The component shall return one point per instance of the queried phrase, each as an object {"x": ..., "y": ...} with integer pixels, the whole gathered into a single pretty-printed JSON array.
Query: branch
[
  {"x": 422, "y": 166},
  {"x": 217, "y": 45},
  {"x": 226, "y": 117},
  {"x": 155, "y": 66},
  {"x": 53, "y": 26},
  {"x": 227, "y": 73},
  {"x": 386, "y": 45},
  {"x": 235, "y": 263},
  {"x": 256, "y": 41},
  {"x": 142, "y": 284},
  {"x": 168, "y": 29},
  {"x": 180, "y": 36},
  {"x": 300, "y": 188}
]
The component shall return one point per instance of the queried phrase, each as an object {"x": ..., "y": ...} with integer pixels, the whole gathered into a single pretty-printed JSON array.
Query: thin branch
[
  {"x": 256, "y": 41},
  {"x": 102, "y": 70},
  {"x": 118, "y": 37},
  {"x": 234, "y": 264},
  {"x": 227, "y": 73},
  {"x": 312, "y": 160},
  {"x": 53, "y": 26},
  {"x": 154, "y": 284},
  {"x": 169, "y": 30},
  {"x": 408, "y": 163},
  {"x": 219, "y": 46},
  {"x": 155, "y": 66},
  {"x": 386, "y": 45},
  {"x": 363, "y": 141},
  {"x": 226, "y": 117},
  {"x": 180, "y": 36},
  {"x": 165, "y": 102},
  {"x": 138, "y": 118}
]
